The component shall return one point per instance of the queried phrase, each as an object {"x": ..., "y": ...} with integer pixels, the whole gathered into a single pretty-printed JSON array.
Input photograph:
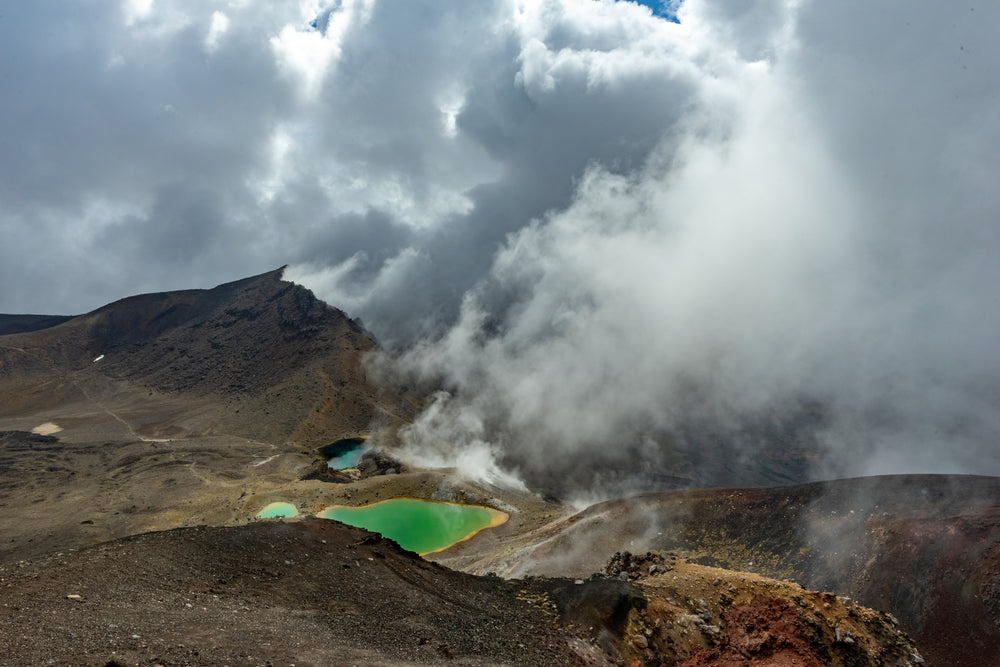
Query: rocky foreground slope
[{"x": 320, "y": 593}]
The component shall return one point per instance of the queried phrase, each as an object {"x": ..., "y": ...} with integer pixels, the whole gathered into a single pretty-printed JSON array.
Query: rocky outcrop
[
  {"x": 696, "y": 615},
  {"x": 372, "y": 464}
]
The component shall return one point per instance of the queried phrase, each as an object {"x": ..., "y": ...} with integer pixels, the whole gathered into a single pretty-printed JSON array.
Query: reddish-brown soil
[
  {"x": 765, "y": 631},
  {"x": 697, "y": 615}
]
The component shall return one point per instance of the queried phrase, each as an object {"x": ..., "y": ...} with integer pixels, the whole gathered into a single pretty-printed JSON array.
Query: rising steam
[{"x": 740, "y": 308}]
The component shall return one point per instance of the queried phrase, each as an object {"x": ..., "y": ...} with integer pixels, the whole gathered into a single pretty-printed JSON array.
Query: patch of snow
[{"x": 48, "y": 428}]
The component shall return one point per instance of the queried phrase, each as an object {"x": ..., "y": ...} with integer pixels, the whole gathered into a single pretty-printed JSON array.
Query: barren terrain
[
  {"x": 319, "y": 593},
  {"x": 138, "y": 443}
]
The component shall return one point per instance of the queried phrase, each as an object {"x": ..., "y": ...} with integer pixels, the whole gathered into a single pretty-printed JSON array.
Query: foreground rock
[
  {"x": 925, "y": 548},
  {"x": 697, "y": 615},
  {"x": 319, "y": 593}
]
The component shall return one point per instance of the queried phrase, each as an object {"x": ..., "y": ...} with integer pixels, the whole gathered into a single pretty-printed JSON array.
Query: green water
[
  {"x": 418, "y": 525},
  {"x": 275, "y": 510},
  {"x": 344, "y": 453}
]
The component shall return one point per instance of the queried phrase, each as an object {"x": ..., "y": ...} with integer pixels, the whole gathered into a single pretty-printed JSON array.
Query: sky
[{"x": 583, "y": 218}]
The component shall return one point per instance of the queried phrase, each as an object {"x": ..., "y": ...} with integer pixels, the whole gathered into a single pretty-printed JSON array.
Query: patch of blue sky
[
  {"x": 665, "y": 9},
  {"x": 322, "y": 21}
]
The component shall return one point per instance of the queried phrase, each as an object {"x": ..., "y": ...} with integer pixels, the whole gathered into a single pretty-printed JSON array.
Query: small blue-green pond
[
  {"x": 345, "y": 453},
  {"x": 276, "y": 510},
  {"x": 423, "y": 526}
]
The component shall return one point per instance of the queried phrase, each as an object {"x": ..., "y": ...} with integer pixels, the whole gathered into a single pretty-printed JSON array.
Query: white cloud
[
  {"x": 332, "y": 282},
  {"x": 217, "y": 28},
  {"x": 733, "y": 268},
  {"x": 280, "y": 164},
  {"x": 306, "y": 55},
  {"x": 146, "y": 20},
  {"x": 309, "y": 53},
  {"x": 137, "y": 10},
  {"x": 717, "y": 266},
  {"x": 450, "y": 106}
]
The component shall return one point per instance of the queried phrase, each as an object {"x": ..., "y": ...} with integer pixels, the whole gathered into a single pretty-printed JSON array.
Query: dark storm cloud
[
  {"x": 101, "y": 124},
  {"x": 531, "y": 135},
  {"x": 439, "y": 118},
  {"x": 181, "y": 228}
]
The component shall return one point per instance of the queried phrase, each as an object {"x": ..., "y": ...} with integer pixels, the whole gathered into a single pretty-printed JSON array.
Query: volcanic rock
[{"x": 317, "y": 593}]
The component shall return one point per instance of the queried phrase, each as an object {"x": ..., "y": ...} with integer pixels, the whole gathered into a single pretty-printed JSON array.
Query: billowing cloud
[
  {"x": 612, "y": 238},
  {"x": 216, "y": 29}
]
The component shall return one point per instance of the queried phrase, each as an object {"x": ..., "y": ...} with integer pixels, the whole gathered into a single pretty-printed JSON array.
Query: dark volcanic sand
[{"x": 308, "y": 593}]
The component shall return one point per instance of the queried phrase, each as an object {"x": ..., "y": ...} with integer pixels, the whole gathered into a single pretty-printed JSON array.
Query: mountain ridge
[{"x": 271, "y": 359}]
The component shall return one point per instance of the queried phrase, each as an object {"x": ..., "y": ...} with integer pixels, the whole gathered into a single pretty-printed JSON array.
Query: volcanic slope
[
  {"x": 924, "y": 547},
  {"x": 258, "y": 358},
  {"x": 10, "y": 324},
  {"x": 320, "y": 593}
]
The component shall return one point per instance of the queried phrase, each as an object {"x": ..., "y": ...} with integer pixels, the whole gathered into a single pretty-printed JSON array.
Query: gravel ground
[{"x": 272, "y": 593}]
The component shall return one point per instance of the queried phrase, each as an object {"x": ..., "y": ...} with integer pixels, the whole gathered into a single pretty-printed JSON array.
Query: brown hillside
[{"x": 259, "y": 358}]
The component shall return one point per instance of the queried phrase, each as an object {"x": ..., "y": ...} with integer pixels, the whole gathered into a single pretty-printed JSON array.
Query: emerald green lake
[
  {"x": 419, "y": 525},
  {"x": 275, "y": 510}
]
